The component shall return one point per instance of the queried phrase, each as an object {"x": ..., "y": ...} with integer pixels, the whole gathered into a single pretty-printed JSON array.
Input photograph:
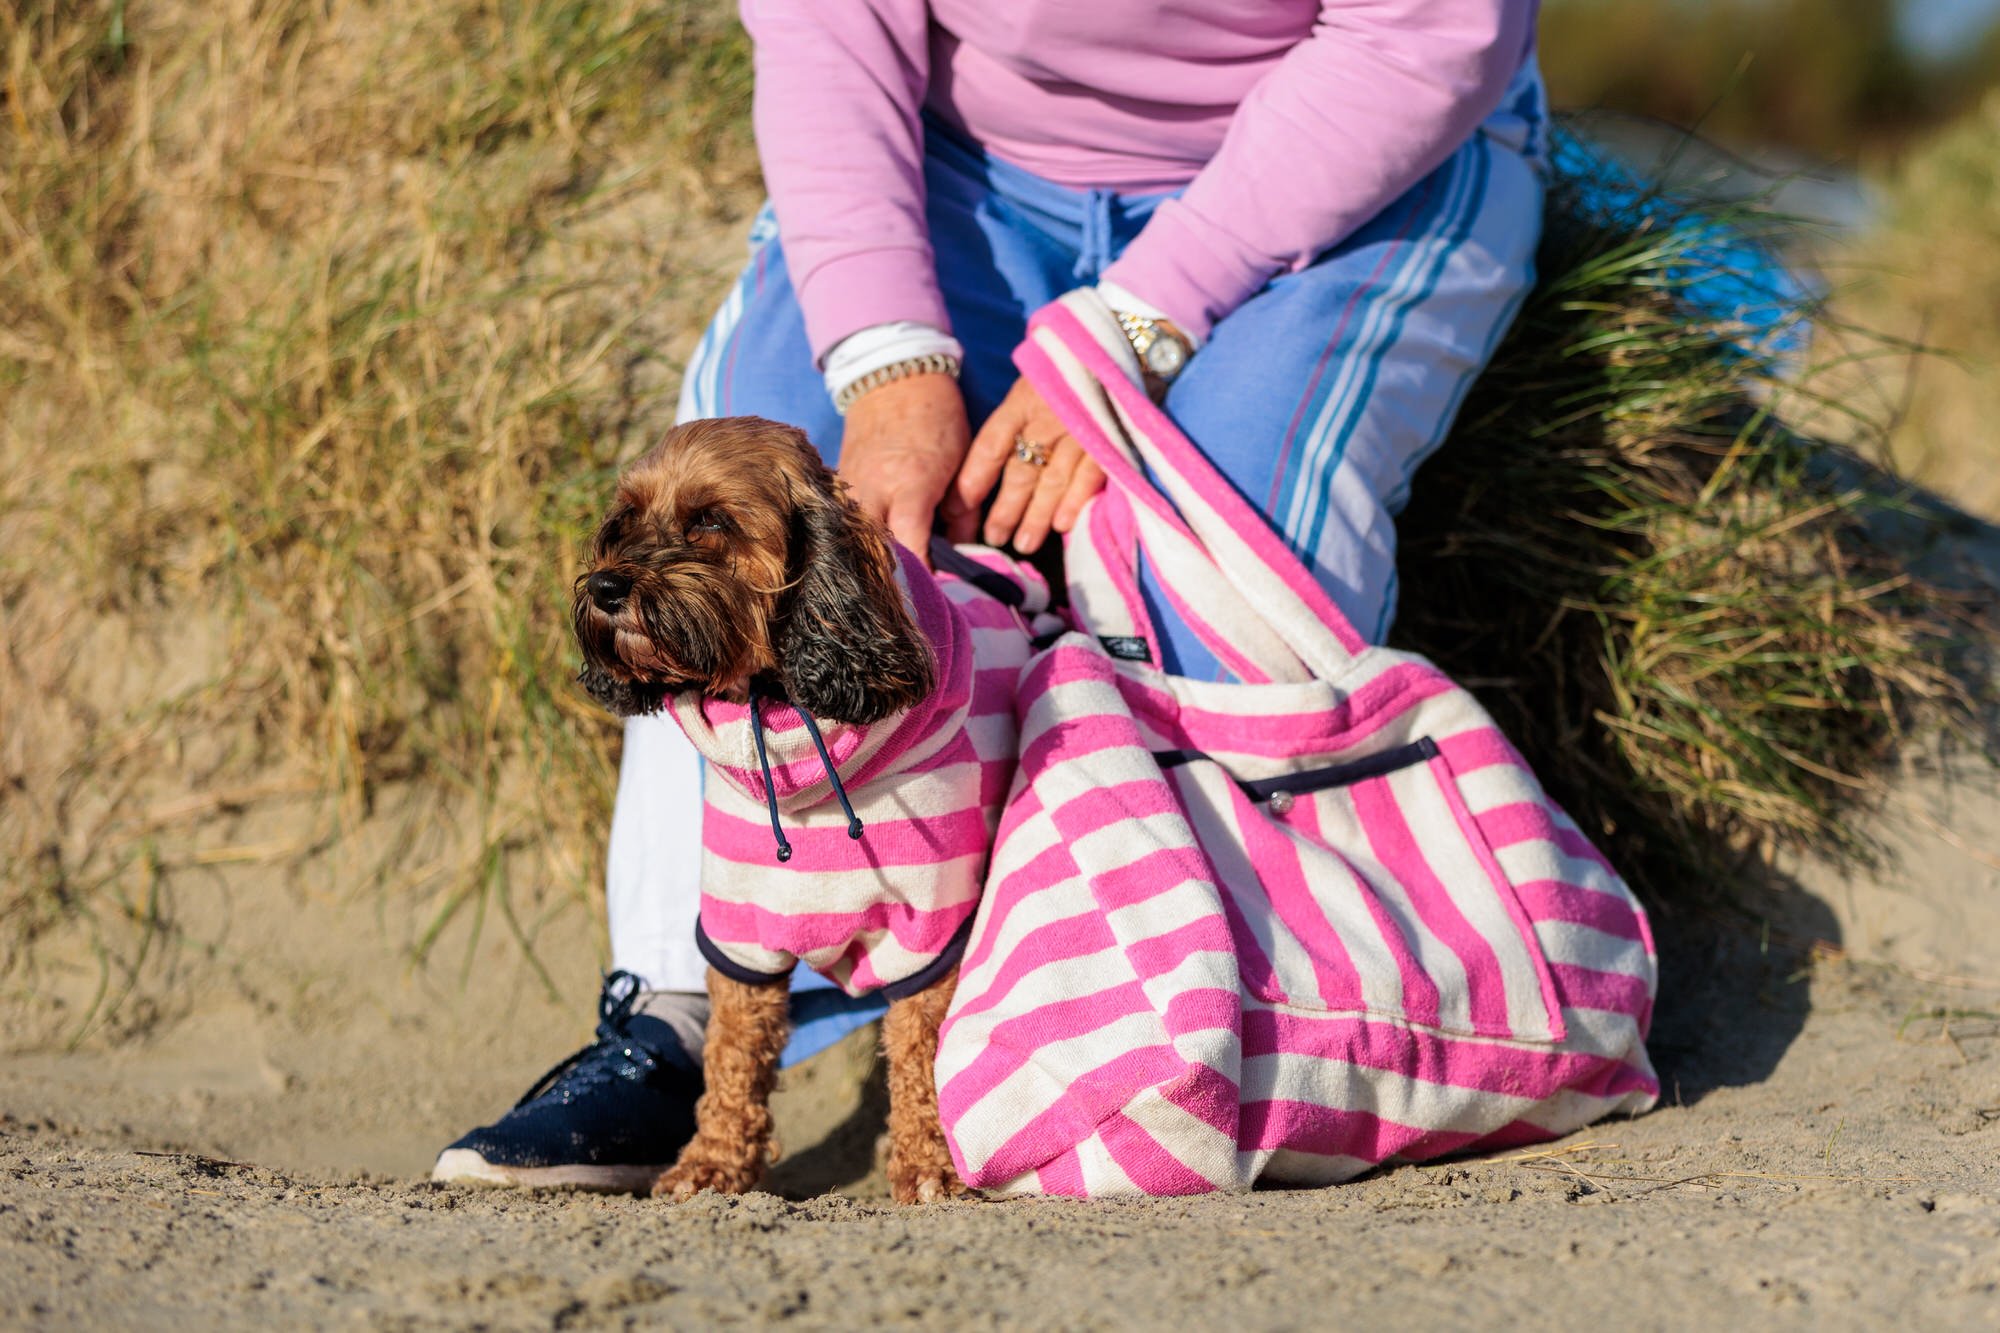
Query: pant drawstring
[
  {"x": 1093, "y": 250},
  {"x": 770, "y": 787}
]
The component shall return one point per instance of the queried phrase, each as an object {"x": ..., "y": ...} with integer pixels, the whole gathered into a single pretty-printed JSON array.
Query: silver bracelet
[{"x": 934, "y": 363}]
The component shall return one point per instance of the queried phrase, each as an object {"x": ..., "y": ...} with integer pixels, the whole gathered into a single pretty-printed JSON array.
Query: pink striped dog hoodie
[{"x": 863, "y": 849}]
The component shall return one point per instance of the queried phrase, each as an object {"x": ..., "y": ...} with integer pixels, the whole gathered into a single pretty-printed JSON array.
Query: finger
[
  {"x": 991, "y": 448},
  {"x": 961, "y": 520},
  {"x": 1017, "y": 487},
  {"x": 1086, "y": 481},
  {"x": 910, "y": 523},
  {"x": 1050, "y": 488}
]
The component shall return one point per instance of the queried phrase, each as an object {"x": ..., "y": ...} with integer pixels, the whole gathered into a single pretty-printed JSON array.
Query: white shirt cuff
[{"x": 868, "y": 350}]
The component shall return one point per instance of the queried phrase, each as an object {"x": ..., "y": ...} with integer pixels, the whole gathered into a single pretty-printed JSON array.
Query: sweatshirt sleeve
[
  {"x": 839, "y": 84},
  {"x": 1378, "y": 96}
]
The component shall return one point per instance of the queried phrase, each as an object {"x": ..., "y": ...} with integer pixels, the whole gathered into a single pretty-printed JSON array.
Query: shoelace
[
  {"x": 615, "y": 1003},
  {"x": 770, "y": 789}
]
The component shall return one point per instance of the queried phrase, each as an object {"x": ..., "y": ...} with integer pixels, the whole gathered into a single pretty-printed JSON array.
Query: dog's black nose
[{"x": 607, "y": 589}]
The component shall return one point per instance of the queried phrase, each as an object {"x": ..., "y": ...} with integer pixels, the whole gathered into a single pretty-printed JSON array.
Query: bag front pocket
[{"x": 1367, "y": 887}]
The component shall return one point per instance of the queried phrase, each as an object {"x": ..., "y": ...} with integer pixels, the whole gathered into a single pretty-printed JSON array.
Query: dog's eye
[{"x": 708, "y": 520}]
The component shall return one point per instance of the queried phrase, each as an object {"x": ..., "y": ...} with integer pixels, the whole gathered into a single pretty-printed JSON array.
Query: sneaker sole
[{"x": 465, "y": 1167}]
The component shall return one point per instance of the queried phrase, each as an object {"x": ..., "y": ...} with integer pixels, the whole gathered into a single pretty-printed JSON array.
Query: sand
[{"x": 1826, "y": 1155}]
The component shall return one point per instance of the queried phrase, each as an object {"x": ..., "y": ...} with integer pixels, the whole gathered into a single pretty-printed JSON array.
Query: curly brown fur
[
  {"x": 732, "y": 554},
  {"x": 920, "y": 1168},
  {"x": 748, "y": 1026}
]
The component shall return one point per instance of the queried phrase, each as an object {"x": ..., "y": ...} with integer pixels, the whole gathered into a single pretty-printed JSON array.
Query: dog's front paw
[
  {"x": 698, "y": 1171},
  {"x": 924, "y": 1176}
]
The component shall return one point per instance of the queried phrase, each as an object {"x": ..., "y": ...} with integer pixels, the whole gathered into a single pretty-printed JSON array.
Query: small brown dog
[{"x": 733, "y": 564}]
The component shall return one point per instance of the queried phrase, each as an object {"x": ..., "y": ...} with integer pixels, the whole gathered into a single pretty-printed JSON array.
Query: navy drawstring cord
[
  {"x": 832, "y": 774},
  {"x": 770, "y": 788},
  {"x": 764, "y": 762}
]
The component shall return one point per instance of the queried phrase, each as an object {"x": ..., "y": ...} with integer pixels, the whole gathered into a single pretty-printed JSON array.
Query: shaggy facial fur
[{"x": 731, "y": 555}]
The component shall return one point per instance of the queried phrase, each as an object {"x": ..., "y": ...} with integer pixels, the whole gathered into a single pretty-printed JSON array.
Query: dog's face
[{"x": 732, "y": 554}]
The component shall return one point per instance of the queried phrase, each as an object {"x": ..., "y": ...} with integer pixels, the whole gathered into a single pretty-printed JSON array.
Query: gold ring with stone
[{"x": 1034, "y": 455}]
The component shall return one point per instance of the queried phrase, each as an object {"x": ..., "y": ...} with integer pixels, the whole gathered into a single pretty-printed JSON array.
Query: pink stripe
[
  {"x": 1430, "y": 1057},
  {"x": 1208, "y": 1095},
  {"x": 1158, "y": 955},
  {"x": 1187, "y": 459},
  {"x": 1061, "y": 1178},
  {"x": 806, "y": 932},
  {"x": 1587, "y": 988},
  {"x": 1278, "y": 861},
  {"x": 885, "y": 843},
  {"x": 1096, "y": 808},
  {"x": 1470, "y": 751},
  {"x": 1329, "y": 1132},
  {"x": 1556, "y": 900},
  {"x": 1393, "y": 844},
  {"x": 1073, "y": 1117},
  {"x": 1528, "y": 821},
  {"x": 1070, "y": 937},
  {"x": 1360, "y": 715},
  {"x": 1513, "y": 1134},
  {"x": 1052, "y": 866},
  {"x": 1254, "y": 968},
  {"x": 1065, "y": 1019},
  {"x": 1149, "y": 1165},
  {"x": 957, "y": 750},
  {"x": 1112, "y": 537},
  {"x": 993, "y": 687},
  {"x": 1084, "y": 1106},
  {"x": 1204, "y": 1009},
  {"x": 1148, "y": 876},
  {"x": 1511, "y": 904}
]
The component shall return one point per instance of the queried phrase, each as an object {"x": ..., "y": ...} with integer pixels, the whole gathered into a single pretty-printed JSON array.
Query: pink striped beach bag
[{"x": 1282, "y": 930}]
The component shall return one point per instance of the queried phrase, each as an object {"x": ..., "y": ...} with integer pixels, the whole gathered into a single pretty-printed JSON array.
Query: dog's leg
[
  {"x": 920, "y": 1169},
  {"x": 747, "y": 1029}
]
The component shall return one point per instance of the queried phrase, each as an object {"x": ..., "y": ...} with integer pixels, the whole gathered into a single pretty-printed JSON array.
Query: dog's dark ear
[{"x": 847, "y": 649}]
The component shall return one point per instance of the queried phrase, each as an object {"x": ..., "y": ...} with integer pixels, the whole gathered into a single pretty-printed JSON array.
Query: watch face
[{"x": 1165, "y": 356}]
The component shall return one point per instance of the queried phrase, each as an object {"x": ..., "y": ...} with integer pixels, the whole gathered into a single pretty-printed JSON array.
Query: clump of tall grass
[
  {"x": 327, "y": 324},
  {"x": 1677, "y": 605}
]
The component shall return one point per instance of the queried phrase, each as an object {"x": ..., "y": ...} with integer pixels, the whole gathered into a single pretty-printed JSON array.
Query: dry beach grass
[{"x": 327, "y": 325}]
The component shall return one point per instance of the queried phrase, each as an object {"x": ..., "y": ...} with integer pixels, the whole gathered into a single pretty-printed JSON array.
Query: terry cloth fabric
[
  {"x": 1284, "y": 930},
  {"x": 887, "y": 911}
]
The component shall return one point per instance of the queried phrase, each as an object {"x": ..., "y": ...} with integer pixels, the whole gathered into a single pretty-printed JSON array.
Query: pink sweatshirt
[{"x": 1289, "y": 122}]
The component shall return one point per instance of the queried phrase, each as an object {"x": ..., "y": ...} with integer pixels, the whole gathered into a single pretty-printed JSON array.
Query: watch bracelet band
[
  {"x": 1142, "y": 332},
  {"x": 931, "y": 363},
  {"x": 1139, "y": 331}
]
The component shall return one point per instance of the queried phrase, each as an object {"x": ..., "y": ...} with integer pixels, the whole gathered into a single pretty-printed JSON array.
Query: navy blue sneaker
[{"x": 611, "y": 1117}]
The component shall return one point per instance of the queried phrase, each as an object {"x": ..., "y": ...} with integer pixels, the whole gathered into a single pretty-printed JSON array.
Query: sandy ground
[
  {"x": 243, "y": 1141},
  {"x": 1826, "y": 1156}
]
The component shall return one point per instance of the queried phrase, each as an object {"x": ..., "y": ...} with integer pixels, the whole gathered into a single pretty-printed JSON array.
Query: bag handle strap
[{"x": 1193, "y": 524}]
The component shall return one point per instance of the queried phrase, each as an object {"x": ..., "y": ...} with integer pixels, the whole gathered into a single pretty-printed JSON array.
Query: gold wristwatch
[{"x": 1163, "y": 350}]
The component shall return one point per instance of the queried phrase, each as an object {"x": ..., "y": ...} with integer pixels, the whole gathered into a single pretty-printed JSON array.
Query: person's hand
[
  {"x": 903, "y": 442},
  {"x": 1033, "y": 499}
]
